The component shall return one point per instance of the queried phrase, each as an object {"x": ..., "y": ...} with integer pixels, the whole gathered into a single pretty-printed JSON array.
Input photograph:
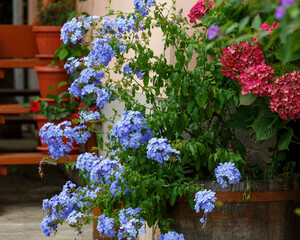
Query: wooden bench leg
[{"x": 3, "y": 170}]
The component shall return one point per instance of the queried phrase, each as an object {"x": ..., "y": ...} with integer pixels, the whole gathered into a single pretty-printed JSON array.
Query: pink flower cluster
[
  {"x": 285, "y": 95},
  {"x": 268, "y": 28},
  {"x": 245, "y": 63},
  {"x": 199, "y": 10}
]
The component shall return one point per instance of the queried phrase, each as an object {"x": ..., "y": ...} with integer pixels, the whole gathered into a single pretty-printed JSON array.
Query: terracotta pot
[
  {"x": 268, "y": 214},
  {"x": 47, "y": 39},
  {"x": 41, "y": 120},
  {"x": 51, "y": 76}
]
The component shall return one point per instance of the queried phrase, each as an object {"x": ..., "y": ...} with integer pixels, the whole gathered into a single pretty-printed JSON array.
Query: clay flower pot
[
  {"x": 51, "y": 76},
  {"x": 47, "y": 39}
]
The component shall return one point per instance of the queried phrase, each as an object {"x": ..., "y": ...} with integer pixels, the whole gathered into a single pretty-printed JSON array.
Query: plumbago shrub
[{"x": 236, "y": 66}]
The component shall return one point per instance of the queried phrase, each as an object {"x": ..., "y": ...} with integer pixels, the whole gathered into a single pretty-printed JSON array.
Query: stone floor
[{"x": 21, "y": 195}]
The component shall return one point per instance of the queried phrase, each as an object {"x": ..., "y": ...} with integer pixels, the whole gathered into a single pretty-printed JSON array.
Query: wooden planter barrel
[{"x": 268, "y": 215}]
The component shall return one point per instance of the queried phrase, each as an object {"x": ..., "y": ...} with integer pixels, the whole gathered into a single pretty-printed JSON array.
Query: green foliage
[{"x": 54, "y": 14}]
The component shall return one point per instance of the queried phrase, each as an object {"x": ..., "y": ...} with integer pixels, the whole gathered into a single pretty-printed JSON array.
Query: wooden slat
[
  {"x": 23, "y": 63},
  {"x": 27, "y": 158},
  {"x": 13, "y": 109},
  {"x": 19, "y": 92}
]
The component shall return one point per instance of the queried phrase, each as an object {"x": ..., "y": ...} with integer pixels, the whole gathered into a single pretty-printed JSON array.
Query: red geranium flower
[{"x": 34, "y": 106}]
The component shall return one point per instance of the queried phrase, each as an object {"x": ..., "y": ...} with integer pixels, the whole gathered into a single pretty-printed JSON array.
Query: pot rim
[{"x": 46, "y": 28}]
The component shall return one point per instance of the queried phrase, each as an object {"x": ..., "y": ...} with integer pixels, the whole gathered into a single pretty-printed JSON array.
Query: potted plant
[
  {"x": 181, "y": 153},
  {"x": 55, "y": 108},
  {"x": 50, "y": 19}
]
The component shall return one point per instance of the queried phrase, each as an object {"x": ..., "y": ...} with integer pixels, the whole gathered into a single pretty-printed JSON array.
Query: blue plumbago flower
[
  {"x": 106, "y": 226},
  {"x": 101, "y": 54},
  {"x": 141, "y": 6},
  {"x": 131, "y": 130},
  {"x": 103, "y": 96},
  {"x": 106, "y": 170},
  {"x": 74, "y": 30},
  {"x": 127, "y": 70},
  {"x": 204, "y": 200},
  {"x": 87, "y": 76},
  {"x": 72, "y": 64},
  {"x": 213, "y": 32},
  {"x": 65, "y": 205},
  {"x": 73, "y": 217},
  {"x": 227, "y": 172},
  {"x": 54, "y": 134},
  {"x": 171, "y": 236},
  {"x": 88, "y": 115},
  {"x": 86, "y": 161},
  {"x": 139, "y": 74},
  {"x": 159, "y": 150},
  {"x": 129, "y": 225}
]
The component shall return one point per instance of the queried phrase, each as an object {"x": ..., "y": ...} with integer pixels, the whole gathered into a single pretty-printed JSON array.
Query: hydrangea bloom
[
  {"x": 227, "y": 173},
  {"x": 204, "y": 200},
  {"x": 213, "y": 32},
  {"x": 131, "y": 130},
  {"x": 171, "y": 236},
  {"x": 285, "y": 95},
  {"x": 199, "y": 10},
  {"x": 240, "y": 56},
  {"x": 106, "y": 226},
  {"x": 256, "y": 79},
  {"x": 159, "y": 150},
  {"x": 129, "y": 225}
]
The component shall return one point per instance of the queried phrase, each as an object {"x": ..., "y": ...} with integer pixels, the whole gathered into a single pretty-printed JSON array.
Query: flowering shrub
[{"x": 159, "y": 151}]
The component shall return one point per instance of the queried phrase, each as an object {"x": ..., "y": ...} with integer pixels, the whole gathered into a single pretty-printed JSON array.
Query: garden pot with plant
[
  {"x": 158, "y": 152},
  {"x": 50, "y": 19}
]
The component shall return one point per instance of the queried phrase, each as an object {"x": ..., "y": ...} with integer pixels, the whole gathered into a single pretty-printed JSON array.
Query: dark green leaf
[{"x": 285, "y": 139}]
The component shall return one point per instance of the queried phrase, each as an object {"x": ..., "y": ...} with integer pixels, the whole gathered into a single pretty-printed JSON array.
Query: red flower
[
  {"x": 268, "y": 28},
  {"x": 199, "y": 10},
  {"x": 34, "y": 106},
  {"x": 285, "y": 95}
]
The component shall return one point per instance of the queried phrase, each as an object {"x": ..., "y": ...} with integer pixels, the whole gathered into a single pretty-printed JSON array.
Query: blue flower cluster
[
  {"x": 141, "y": 6},
  {"x": 60, "y": 137},
  {"x": 129, "y": 225},
  {"x": 159, "y": 150},
  {"x": 227, "y": 172},
  {"x": 204, "y": 200},
  {"x": 66, "y": 205},
  {"x": 171, "y": 236},
  {"x": 85, "y": 161},
  {"x": 118, "y": 26},
  {"x": 74, "y": 30},
  {"x": 106, "y": 226},
  {"x": 131, "y": 130},
  {"x": 86, "y": 116},
  {"x": 127, "y": 70}
]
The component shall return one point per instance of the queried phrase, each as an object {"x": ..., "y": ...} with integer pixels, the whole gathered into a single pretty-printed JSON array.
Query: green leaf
[
  {"x": 63, "y": 83},
  {"x": 173, "y": 196},
  {"x": 247, "y": 99},
  {"x": 256, "y": 22},
  {"x": 63, "y": 54},
  {"x": 243, "y": 23},
  {"x": 265, "y": 127},
  {"x": 285, "y": 139},
  {"x": 201, "y": 96},
  {"x": 51, "y": 88}
]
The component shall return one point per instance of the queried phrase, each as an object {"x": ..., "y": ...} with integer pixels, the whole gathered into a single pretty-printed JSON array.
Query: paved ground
[{"x": 21, "y": 195}]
